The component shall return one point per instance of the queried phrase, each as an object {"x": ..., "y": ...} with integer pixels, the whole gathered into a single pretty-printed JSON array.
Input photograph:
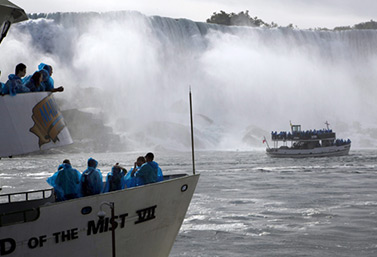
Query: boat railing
[
  {"x": 302, "y": 136},
  {"x": 26, "y": 196},
  {"x": 173, "y": 176},
  {"x": 23, "y": 206},
  {"x": 48, "y": 193}
]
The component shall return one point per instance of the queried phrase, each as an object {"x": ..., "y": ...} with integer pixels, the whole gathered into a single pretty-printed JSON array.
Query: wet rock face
[{"x": 89, "y": 132}]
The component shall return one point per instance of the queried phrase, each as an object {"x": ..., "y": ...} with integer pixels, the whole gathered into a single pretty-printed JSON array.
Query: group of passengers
[
  {"x": 301, "y": 134},
  {"x": 41, "y": 80},
  {"x": 340, "y": 142},
  {"x": 69, "y": 183}
]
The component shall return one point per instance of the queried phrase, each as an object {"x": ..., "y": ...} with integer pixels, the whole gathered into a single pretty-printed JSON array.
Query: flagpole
[
  {"x": 265, "y": 140},
  {"x": 192, "y": 135}
]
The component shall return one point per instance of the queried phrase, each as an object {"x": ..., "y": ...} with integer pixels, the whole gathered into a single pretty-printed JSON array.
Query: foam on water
[{"x": 240, "y": 210}]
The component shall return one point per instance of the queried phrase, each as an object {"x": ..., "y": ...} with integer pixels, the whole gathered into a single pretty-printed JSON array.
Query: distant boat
[
  {"x": 309, "y": 143},
  {"x": 141, "y": 221}
]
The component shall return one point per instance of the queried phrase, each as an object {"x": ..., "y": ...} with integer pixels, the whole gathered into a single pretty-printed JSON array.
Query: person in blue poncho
[
  {"x": 132, "y": 181},
  {"x": 149, "y": 172},
  {"x": 66, "y": 182},
  {"x": 2, "y": 89},
  {"x": 115, "y": 179},
  {"x": 149, "y": 158},
  {"x": 15, "y": 85},
  {"x": 47, "y": 81},
  {"x": 34, "y": 82},
  {"x": 2, "y": 85},
  {"x": 91, "y": 179}
]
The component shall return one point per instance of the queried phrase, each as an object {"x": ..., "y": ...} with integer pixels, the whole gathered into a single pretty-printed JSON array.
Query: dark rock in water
[{"x": 89, "y": 133}]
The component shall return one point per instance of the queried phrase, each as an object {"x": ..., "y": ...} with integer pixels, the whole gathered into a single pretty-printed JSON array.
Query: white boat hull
[
  {"x": 148, "y": 220},
  {"x": 315, "y": 152},
  {"x": 31, "y": 122}
]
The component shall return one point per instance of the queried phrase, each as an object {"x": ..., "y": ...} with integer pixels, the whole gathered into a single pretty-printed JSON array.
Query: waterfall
[{"x": 245, "y": 81}]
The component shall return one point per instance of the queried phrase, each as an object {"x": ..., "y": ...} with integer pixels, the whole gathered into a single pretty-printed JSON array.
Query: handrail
[{"x": 27, "y": 195}]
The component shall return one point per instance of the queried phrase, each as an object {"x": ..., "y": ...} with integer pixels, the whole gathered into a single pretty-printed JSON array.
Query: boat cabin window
[
  {"x": 5, "y": 28},
  {"x": 296, "y": 128}
]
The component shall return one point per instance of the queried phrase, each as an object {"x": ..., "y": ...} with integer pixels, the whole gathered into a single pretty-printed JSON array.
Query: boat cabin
[{"x": 296, "y": 128}]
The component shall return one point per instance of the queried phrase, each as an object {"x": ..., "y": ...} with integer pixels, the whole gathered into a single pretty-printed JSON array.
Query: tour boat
[
  {"x": 141, "y": 221},
  {"x": 309, "y": 143}
]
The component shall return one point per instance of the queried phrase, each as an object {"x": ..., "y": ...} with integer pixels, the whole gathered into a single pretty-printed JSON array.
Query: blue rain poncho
[
  {"x": 115, "y": 180},
  {"x": 149, "y": 172},
  {"x": 91, "y": 180},
  {"x": 66, "y": 182},
  {"x": 31, "y": 85},
  {"x": 47, "y": 81},
  {"x": 160, "y": 176},
  {"x": 14, "y": 85},
  {"x": 2, "y": 88},
  {"x": 133, "y": 181}
]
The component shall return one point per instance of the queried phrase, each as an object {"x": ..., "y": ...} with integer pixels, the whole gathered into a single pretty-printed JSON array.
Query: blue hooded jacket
[
  {"x": 133, "y": 181},
  {"x": 47, "y": 81},
  {"x": 91, "y": 180},
  {"x": 115, "y": 180},
  {"x": 3, "y": 88},
  {"x": 66, "y": 182},
  {"x": 149, "y": 172},
  {"x": 31, "y": 85},
  {"x": 14, "y": 85}
]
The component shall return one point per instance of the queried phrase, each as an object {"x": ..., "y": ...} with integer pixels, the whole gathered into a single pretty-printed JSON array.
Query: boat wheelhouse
[{"x": 309, "y": 143}]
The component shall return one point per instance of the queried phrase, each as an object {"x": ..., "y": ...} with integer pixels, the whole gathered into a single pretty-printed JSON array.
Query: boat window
[
  {"x": 296, "y": 128},
  {"x": 86, "y": 210},
  {"x": 5, "y": 29},
  {"x": 184, "y": 187}
]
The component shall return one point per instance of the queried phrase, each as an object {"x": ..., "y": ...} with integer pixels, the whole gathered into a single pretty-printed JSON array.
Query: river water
[{"x": 247, "y": 204}]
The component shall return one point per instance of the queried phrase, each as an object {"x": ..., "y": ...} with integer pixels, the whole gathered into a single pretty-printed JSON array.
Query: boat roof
[{"x": 11, "y": 12}]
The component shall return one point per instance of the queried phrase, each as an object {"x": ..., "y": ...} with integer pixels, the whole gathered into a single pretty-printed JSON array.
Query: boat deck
[
  {"x": 24, "y": 206},
  {"x": 303, "y": 137}
]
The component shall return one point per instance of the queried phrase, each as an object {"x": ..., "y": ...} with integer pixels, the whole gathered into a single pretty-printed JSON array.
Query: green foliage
[
  {"x": 244, "y": 19},
  {"x": 343, "y": 28},
  {"x": 366, "y": 25},
  {"x": 240, "y": 19},
  {"x": 221, "y": 18}
]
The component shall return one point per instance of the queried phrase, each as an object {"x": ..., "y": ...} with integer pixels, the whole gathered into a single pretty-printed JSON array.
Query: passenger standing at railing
[
  {"x": 91, "y": 179},
  {"x": 66, "y": 182},
  {"x": 131, "y": 179},
  {"x": 15, "y": 85},
  {"x": 47, "y": 80},
  {"x": 115, "y": 179},
  {"x": 34, "y": 82},
  {"x": 149, "y": 172}
]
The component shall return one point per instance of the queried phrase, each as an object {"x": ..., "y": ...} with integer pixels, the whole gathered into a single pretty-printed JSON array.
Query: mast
[{"x": 192, "y": 134}]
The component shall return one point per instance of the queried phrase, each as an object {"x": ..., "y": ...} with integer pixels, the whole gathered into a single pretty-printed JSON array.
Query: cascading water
[{"x": 246, "y": 81}]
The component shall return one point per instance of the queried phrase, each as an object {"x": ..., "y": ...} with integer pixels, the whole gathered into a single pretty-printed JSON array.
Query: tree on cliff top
[{"x": 240, "y": 19}]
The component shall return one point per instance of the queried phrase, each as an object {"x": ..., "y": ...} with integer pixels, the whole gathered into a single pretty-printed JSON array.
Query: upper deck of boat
[{"x": 303, "y": 136}]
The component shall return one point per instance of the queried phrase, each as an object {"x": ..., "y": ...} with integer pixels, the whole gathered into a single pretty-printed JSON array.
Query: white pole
[{"x": 192, "y": 135}]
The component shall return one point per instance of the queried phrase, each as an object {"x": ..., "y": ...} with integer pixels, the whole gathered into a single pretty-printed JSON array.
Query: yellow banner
[{"x": 48, "y": 121}]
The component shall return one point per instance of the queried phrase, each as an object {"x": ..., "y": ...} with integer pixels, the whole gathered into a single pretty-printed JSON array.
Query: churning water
[{"x": 247, "y": 204}]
